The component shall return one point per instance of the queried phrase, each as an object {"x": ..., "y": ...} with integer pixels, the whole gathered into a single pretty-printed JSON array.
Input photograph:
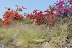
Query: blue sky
[{"x": 29, "y": 4}]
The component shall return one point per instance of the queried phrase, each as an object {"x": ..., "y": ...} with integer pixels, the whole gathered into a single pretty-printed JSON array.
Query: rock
[
  {"x": 66, "y": 47},
  {"x": 39, "y": 40},
  {"x": 1, "y": 45},
  {"x": 46, "y": 45}
]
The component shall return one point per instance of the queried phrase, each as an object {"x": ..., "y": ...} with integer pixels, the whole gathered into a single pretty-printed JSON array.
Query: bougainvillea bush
[
  {"x": 63, "y": 8},
  {"x": 40, "y": 17},
  {"x": 12, "y": 16}
]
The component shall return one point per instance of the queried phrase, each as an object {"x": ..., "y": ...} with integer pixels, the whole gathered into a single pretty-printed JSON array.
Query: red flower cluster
[
  {"x": 10, "y": 16},
  {"x": 42, "y": 18}
]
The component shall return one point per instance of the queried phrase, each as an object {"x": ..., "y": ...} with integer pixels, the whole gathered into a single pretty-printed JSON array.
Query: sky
[{"x": 29, "y": 4}]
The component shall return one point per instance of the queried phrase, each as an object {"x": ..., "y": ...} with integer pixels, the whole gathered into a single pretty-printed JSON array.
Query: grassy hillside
[{"x": 23, "y": 35}]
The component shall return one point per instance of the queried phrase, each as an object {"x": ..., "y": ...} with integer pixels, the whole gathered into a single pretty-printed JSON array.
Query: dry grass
[{"x": 30, "y": 35}]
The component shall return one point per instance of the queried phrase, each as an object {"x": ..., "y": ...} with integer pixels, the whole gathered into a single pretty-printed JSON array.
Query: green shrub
[{"x": 27, "y": 22}]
